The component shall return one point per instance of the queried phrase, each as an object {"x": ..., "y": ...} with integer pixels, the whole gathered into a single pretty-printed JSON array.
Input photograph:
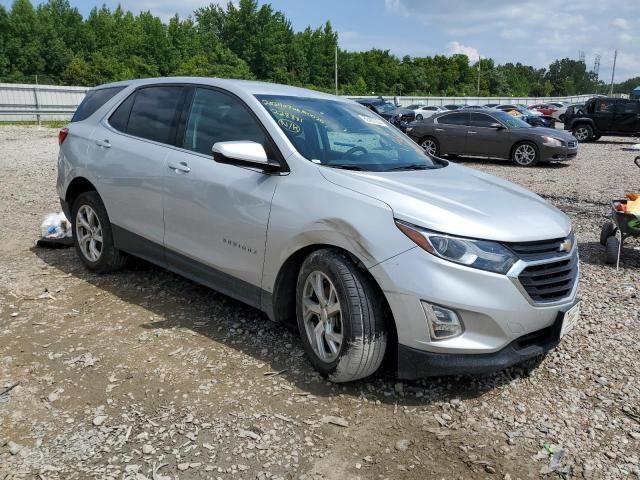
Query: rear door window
[
  {"x": 93, "y": 100},
  {"x": 154, "y": 113}
]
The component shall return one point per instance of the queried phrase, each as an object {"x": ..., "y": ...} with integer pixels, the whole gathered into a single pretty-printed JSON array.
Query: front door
[
  {"x": 485, "y": 140},
  {"x": 216, "y": 214}
]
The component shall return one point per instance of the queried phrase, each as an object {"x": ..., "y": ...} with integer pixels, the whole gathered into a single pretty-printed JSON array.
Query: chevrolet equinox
[{"x": 314, "y": 209}]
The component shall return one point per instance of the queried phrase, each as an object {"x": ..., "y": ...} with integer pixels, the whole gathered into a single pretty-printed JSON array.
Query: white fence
[
  {"x": 405, "y": 101},
  {"x": 19, "y": 102},
  {"x": 50, "y": 102}
]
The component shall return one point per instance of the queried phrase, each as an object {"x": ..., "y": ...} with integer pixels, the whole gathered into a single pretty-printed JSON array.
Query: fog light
[{"x": 443, "y": 323}]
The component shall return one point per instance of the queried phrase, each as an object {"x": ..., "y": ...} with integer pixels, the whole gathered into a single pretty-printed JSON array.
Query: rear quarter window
[{"x": 93, "y": 100}]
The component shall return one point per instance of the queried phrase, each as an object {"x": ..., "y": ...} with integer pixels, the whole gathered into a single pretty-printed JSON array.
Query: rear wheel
[
  {"x": 430, "y": 145},
  {"x": 608, "y": 230},
  {"x": 583, "y": 132},
  {"x": 92, "y": 235},
  {"x": 525, "y": 154},
  {"x": 341, "y": 317},
  {"x": 613, "y": 246},
  {"x": 419, "y": 117}
]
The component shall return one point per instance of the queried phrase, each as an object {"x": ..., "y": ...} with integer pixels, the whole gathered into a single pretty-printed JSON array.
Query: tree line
[{"x": 246, "y": 40}]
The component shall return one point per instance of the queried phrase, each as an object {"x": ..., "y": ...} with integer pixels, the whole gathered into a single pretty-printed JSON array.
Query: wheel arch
[
  {"x": 77, "y": 186},
  {"x": 283, "y": 301}
]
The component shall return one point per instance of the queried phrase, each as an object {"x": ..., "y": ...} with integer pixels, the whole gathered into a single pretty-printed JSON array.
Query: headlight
[
  {"x": 481, "y": 254},
  {"x": 551, "y": 142}
]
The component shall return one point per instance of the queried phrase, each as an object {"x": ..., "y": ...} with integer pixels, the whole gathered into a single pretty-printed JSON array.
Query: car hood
[
  {"x": 552, "y": 132},
  {"x": 459, "y": 201}
]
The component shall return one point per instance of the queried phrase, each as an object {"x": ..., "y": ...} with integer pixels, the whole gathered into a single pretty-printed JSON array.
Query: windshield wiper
[
  {"x": 411, "y": 166},
  {"x": 345, "y": 166}
]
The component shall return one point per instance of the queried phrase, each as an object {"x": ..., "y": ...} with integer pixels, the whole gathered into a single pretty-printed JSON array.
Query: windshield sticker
[
  {"x": 288, "y": 111},
  {"x": 374, "y": 121},
  {"x": 289, "y": 125}
]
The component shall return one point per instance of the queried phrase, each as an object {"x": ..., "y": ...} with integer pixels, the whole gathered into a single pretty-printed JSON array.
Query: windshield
[
  {"x": 345, "y": 135},
  {"x": 510, "y": 120}
]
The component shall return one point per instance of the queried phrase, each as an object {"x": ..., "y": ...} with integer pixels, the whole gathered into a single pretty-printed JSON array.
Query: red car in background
[{"x": 544, "y": 108}]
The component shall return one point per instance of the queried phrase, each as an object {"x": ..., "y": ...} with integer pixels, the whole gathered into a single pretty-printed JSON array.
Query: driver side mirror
[
  {"x": 497, "y": 126},
  {"x": 244, "y": 153}
]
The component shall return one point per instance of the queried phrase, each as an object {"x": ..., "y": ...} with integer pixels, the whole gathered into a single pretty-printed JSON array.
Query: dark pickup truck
[{"x": 603, "y": 116}]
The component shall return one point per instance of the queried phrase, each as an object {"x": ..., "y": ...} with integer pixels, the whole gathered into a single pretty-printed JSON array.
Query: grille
[
  {"x": 538, "y": 250},
  {"x": 552, "y": 281}
]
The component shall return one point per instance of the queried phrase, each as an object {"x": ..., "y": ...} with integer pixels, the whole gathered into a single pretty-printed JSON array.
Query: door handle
[
  {"x": 471, "y": 131},
  {"x": 439, "y": 129},
  {"x": 179, "y": 167},
  {"x": 103, "y": 143}
]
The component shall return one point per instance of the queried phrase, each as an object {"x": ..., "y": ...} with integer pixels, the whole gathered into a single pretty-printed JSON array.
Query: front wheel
[
  {"x": 525, "y": 154},
  {"x": 419, "y": 117},
  {"x": 341, "y": 317},
  {"x": 583, "y": 133}
]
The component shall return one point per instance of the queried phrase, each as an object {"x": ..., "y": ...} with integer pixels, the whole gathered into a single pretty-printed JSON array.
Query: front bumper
[
  {"x": 557, "y": 154},
  {"x": 495, "y": 310},
  {"x": 414, "y": 363}
]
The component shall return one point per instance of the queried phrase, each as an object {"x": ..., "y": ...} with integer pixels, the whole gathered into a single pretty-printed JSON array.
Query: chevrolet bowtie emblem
[{"x": 566, "y": 245}]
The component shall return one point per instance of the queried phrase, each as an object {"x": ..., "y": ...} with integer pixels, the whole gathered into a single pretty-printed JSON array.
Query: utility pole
[
  {"x": 478, "y": 76},
  {"x": 613, "y": 72},
  {"x": 336, "y": 68}
]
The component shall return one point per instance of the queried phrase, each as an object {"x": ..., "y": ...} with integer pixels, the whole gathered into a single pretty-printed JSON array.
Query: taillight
[{"x": 62, "y": 135}]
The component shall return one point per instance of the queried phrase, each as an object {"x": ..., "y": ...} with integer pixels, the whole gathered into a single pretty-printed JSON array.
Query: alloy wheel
[
  {"x": 322, "y": 316},
  {"x": 89, "y": 233},
  {"x": 525, "y": 154},
  {"x": 429, "y": 146},
  {"x": 582, "y": 134}
]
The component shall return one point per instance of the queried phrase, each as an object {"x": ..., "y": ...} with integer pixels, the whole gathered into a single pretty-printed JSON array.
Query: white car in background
[{"x": 424, "y": 111}]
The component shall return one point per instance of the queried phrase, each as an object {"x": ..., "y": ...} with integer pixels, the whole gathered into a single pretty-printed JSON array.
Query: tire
[
  {"x": 352, "y": 343},
  {"x": 419, "y": 117},
  {"x": 525, "y": 154},
  {"x": 613, "y": 244},
  {"x": 583, "y": 132},
  {"x": 430, "y": 145},
  {"x": 608, "y": 230},
  {"x": 89, "y": 217}
]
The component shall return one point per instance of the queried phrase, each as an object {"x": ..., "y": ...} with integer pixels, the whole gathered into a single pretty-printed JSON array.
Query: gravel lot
[{"x": 145, "y": 375}]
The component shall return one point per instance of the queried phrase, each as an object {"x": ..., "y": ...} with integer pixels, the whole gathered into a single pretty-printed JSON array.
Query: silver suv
[{"x": 315, "y": 210}]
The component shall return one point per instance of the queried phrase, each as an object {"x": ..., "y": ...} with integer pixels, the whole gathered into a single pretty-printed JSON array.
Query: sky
[{"x": 533, "y": 32}]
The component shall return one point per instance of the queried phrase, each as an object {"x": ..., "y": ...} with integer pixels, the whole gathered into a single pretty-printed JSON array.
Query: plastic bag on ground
[{"x": 55, "y": 226}]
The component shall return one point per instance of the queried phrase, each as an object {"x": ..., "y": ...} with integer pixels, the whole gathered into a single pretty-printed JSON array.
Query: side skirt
[{"x": 189, "y": 268}]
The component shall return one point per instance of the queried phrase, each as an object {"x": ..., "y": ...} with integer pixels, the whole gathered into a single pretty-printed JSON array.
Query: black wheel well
[
  {"x": 284, "y": 292},
  {"x": 77, "y": 186}
]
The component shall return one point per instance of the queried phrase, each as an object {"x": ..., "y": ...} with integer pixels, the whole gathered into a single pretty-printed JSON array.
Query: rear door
[
  {"x": 129, "y": 152},
  {"x": 451, "y": 132},
  {"x": 482, "y": 139},
  {"x": 627, "y": 116}
]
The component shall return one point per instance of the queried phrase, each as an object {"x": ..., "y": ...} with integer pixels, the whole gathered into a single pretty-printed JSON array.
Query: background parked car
[
  {"x": 532, "y": 118},
  {"x": 378, "y": 105},
  {"x": 544, "y": 108},
  {"x": 603, "y": 116},
  {"x": 492, "y": 133},
  {"x": 424, "y": 111},
  {"x": 454, "y": 106}
]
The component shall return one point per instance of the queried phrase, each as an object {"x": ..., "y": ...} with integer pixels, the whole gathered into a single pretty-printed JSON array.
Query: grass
[{"x": 31, "y": 123}]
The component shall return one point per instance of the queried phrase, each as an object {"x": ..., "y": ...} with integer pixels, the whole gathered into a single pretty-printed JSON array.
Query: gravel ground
[{"x": 144, "y": 375}]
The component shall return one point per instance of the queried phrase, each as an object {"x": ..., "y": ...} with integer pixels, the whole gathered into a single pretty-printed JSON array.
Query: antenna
[{"x": 596, "y": 66}]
